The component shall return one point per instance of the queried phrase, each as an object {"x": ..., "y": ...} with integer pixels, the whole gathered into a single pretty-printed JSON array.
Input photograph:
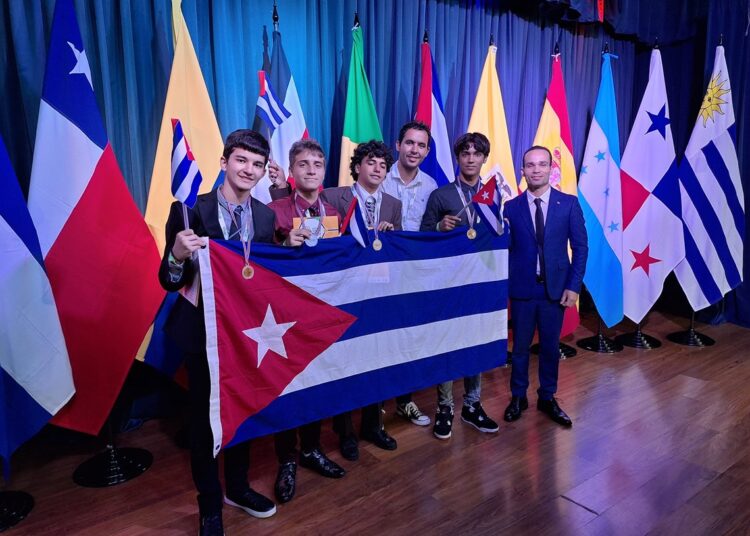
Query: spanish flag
[
  {"x": 554, "y": 134},
  {"x": 188, "y": 101},
  {"x": 360, "y": 120},
  {"x": 488, "y": 118}
]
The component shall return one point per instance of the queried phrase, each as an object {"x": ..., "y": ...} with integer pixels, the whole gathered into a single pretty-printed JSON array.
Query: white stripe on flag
[
  {"x": 387, "y": 348},
  {"x": 725, "y": 146},
  {"x": 187, "y": 183},
  {"x": 178, "y": 155}
]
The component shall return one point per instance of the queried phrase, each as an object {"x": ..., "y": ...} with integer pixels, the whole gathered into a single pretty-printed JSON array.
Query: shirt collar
[
  {"x": 544, "y": 197},
  {"x": 223, "y": 200},
  {"x": 397, "y": 176}
]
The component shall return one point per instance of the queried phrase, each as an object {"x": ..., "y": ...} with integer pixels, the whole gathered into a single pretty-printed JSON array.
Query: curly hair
[{"x": 372, "y": 148}]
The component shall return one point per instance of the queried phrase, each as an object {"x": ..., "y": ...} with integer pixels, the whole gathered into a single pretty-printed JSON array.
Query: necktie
[
  {"x": 234, "y": 229},
  {"x": 539, "y": 224},
  {"x": 370, "y": 206},
  {"x": 313, "y": 211}
]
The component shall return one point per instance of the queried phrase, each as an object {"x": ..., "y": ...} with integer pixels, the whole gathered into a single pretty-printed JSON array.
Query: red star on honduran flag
[{"x": 257, "y": 345}]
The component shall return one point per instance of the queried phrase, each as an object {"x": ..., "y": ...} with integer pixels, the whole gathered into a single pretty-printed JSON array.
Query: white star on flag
[
  {"x": 82, "y": 63},
  {"x": 269, "y": 336},
  {"x": 485, "y": 196}
]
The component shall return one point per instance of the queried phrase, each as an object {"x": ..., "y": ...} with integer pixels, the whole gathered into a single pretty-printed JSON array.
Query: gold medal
[
  {"x": 248, "y": 272},
  {"x": 377, "y": 245},
  {"x": 471, "y": 233}
]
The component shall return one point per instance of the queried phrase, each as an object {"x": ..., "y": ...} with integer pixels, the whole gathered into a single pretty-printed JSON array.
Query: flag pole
[
  {"x": 690, "y": 337},
  {"x": 600, "y": 343},
  {"x": 638, "y": 339}
]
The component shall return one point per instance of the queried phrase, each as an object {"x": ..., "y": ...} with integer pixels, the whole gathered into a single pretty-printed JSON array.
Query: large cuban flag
[
  {"x": 439, "y": 161},
  {"x": 100, "y": 257},
  {"x": 335, "y": 327},
  {"x": 713, "y": 202},
  {"x": 652, "y": 243},
  {"x": 35, "y": 376},
  {"x": 601, "y": 201}
]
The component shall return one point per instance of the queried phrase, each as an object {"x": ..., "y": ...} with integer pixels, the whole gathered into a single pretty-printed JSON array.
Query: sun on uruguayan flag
[
  {"x": 186, "y": 177},
  {"x": 269, "y": 108}
]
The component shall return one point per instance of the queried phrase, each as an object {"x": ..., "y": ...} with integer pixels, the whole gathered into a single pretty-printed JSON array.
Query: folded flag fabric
[
  {"x": 269, "y": 108},
  {"x": 355, "y": 224},
  {"x": 488, "y": 201},
  {"x": 186, "y": 177},
  {"x": 319, "y": 331}
]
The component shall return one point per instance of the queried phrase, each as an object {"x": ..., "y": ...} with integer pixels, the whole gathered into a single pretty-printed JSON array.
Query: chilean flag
[
  {"x": 439, "y": 161},
  {"x": 100, "y": 257}
]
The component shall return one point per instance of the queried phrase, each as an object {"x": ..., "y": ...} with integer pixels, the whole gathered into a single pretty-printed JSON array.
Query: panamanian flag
[
  {"x": 438, "y": 163},
  {"x": 35, "y": 376},
  {"x": 100, "y": 257},
  {"x": 335, "y": 327}
]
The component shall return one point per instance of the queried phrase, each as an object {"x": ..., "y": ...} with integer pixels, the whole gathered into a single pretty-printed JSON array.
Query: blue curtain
[{"x": 129, "y": 47}]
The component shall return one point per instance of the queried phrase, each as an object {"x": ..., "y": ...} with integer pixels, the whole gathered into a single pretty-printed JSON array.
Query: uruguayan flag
[
  {"x": 713, "y": 207},
  {"x": 186, "y": 178},
  {"x": 269, "y": 108},
  {"x": 600, "y": 196}
]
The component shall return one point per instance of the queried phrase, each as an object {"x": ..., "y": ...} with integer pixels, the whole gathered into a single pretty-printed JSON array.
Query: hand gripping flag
[
  {"x": 652, "y": 242},
  {"x": 100, "y": 257},
  {"x": 35, "y": 376},
  {"x": 488, "y": 117},
  {"x": 488, "y": 202},
  {"x": 438, "y": 163},
  {"x": 301, "y": 341},
  {"x": 186, "y": 178},
  {"x": 279, "y": 75},
  {"x": 599, "y": 195},
  {"x": 712, "y": 198}
]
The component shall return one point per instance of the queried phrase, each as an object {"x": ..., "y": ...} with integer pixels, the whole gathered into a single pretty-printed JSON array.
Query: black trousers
[
  {"x": 285, "y": 443},
  {"x": 204, "y": 466},
  {"x": 372, "y": 421}
]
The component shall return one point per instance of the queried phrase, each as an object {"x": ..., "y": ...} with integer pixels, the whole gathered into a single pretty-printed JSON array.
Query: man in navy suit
[{"x": 543, "y": 280}]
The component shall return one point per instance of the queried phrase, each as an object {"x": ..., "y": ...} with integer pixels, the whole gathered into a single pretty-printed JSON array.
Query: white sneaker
[{"x": 411, "y": 412}]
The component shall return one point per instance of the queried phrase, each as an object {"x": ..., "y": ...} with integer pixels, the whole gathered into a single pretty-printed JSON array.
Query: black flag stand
[
  {"x": 565, "y": 350},
  {"x": 112, "y": 466},
  {"x": 14, "y": 507},
  {"x": 600, "y": 343},
  {"x": 638, "y": 339},
  {"x": 690, "y": 337}
]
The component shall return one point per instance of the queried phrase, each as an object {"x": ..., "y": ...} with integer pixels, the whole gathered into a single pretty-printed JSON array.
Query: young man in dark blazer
[
  {"x": 442, "y": 214},
  {"x": 543, "y": 280},
  {"x": 228, "y": 212}
]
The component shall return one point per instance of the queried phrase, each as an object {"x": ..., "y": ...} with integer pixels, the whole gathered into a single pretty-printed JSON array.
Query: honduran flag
[
  {"x": 186, "y": 177},
  {"x": 100, "y": 257},
  {"x": 279, "y": 75},
  {"x": 35, "y": 376},
  {"x": 438, "y": 163},
  {"x": 488, "y": 202},
  {"x": 324, "y": 330}
]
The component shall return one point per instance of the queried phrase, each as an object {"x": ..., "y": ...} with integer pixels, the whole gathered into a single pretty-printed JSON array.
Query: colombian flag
[
  {"x": 553, "y": 133},
  {"x": 360, "y": 120},
  {"x": 488, "y": 118}
]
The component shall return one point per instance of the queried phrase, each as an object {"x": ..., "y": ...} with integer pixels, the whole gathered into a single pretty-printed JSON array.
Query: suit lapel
[
  {"x": 553, "y": 213},
  {"x": 523, "y": 206},
  {"x": 208, "y": 210}
]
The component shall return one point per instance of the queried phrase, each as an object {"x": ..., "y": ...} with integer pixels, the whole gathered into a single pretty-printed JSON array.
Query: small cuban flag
[
  {"x": 355, "y": 224},
  {"x": 269, "y": 108},
  {"x": 487, "y": 201},
  {"x": 186, "y": 178}
]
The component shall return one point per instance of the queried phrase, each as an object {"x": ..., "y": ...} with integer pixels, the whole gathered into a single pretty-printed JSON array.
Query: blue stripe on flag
[
  {"x": 699, "y": 268},
  {"x": 719, "y": 169}
]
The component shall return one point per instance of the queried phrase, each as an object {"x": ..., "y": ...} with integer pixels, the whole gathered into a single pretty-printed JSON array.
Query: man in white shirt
[{"x": 412, "y": 186}]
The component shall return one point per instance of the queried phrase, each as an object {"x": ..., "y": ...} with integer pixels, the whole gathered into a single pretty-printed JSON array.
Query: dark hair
[
  {"x": 372, "y": 148},
  {"x": 476, "y": 139},
  {"x": 414, "y": 125},
  {"x": 305, "y": 144},
  {"x": 535, "y": 148},
  {"x": 246, "y": 139}
]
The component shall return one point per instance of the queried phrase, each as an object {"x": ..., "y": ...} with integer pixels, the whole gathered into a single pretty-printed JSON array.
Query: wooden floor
[{"x": 660, "y": 445}]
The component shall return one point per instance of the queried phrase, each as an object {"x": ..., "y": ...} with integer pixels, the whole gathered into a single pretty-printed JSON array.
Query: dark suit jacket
[
  {"x": 341, "y": 197},
  {"x": 185, "y": 324},
  {"x": 564, "y": 224},
  {"x": 442, "y": 202}
]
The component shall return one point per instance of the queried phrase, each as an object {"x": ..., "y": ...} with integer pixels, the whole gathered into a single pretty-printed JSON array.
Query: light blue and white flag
[
  {"x": 713, "y": 207},
  {"x": 600, "y": 196},
  {"x": 35, "y": 375}
]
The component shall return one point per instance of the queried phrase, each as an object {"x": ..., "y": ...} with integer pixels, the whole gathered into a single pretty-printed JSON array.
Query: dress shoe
[
  {"x": 349, "y": 447},
  {"x": 286, "y": 482},
  {"x": 380, "y": 438},
  {"x": 211, "y": 525},
  {"x": 514, "y": 409},
  {"x": 554, "y": 411},
  {"x": 321, "y": 464}
]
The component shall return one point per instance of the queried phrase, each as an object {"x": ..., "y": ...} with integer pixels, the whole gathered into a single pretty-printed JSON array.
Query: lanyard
[{"x": 469, "y": 212}]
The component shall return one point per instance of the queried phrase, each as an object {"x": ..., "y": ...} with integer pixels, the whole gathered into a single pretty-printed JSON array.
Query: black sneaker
[
  {"x": 443, "y": 422},
  {"x": 211, "y": 525},
  {"x": 475, "y": 416},
  {"x": 253, "y": 503}
]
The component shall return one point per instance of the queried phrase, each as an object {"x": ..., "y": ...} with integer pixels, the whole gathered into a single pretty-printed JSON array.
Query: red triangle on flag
[
  {"x": 486, "y": 194},
  {"x": 634, "y": 195},
  {"x": 267, "y": 332}
]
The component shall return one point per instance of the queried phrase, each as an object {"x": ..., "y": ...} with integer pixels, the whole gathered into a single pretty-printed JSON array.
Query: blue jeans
[{"x": 472, "y": 391}]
